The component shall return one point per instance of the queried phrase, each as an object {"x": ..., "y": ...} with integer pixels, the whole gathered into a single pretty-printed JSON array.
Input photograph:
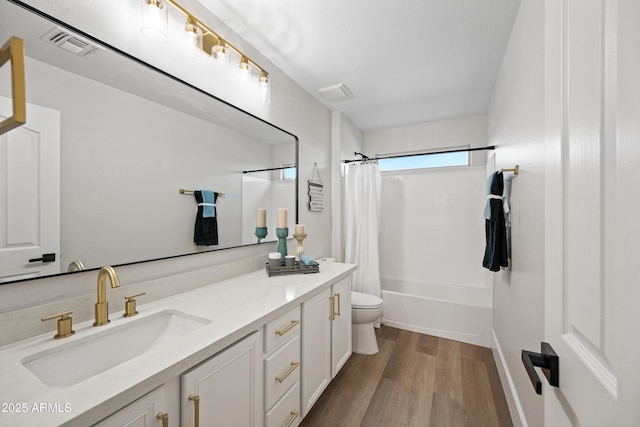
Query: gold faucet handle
[
  {"x": 130, "y": 305},
  {"x": 64, "y": 324}
]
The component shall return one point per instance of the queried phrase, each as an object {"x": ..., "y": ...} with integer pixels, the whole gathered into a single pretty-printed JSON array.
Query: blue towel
[
  {"x": 208, "y": 204},
  {"x": 307, "y": 260}
]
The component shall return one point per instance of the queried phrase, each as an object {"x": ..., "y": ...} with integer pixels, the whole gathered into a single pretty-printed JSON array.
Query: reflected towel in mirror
[{"x": 206, "y": 228}]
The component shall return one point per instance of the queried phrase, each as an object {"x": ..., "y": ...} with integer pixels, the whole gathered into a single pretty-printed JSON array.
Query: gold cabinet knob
[
  {"x": 64, "y": 324},
  {"x": 130, "y": 305}
]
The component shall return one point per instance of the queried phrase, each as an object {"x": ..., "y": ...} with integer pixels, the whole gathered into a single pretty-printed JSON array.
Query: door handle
[
  {"x": 548, "y": 360},
  {"x": 45, "y": 258}
]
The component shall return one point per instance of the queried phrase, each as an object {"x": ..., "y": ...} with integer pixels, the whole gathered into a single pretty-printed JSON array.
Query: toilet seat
[{"x": 363, "y": 301}]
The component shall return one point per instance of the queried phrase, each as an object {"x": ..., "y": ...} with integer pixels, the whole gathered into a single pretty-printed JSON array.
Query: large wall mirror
[{"x": 94, "y": 175}]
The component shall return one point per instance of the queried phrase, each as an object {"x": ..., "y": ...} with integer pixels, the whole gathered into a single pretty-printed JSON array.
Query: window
[
  {"x": 289, "y": 172},
  {"x": 420, "y": 161}
]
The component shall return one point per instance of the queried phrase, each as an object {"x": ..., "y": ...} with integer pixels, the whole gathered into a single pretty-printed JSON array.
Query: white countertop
[{"x": 235, "y": 307}]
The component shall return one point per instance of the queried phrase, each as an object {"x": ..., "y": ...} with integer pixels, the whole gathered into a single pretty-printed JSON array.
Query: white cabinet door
[
  {"x": 340, "y": 325},
  {"x": 316, "y": 348},
  {"x": 226, "y": 391},
  {"x": 141, "y": 413}
]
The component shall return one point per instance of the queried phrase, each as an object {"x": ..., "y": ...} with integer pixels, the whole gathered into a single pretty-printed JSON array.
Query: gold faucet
[{"x": 102, "y": 306}]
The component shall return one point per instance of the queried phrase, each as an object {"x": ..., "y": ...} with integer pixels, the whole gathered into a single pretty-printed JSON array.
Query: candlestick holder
[
  {"x": 282, "y": 234},
  {"x": 261, "y": 233},
  {"x": 299, "y": 249}
]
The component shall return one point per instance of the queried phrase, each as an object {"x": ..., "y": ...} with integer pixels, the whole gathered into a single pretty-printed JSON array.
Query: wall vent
[{"x": 70, "y": 42}]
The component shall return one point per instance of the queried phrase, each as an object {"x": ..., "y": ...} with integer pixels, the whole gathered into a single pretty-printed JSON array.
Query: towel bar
[
  {"x": 515, "y": 170},
  {"x": 183, "y": 191}
]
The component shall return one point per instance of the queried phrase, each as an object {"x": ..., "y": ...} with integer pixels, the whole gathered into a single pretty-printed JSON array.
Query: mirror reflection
[{"x": 94, "y": 176}]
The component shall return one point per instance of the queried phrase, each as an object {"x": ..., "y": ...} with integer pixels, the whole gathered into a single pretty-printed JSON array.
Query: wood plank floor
[{"x": 415, "y": 380}]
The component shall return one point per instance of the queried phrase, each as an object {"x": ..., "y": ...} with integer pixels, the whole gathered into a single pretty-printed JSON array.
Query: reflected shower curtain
[{"x": 363, "y": 184}]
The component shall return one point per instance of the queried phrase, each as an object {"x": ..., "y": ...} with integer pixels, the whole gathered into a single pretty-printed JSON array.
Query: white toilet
[{"x": 365, "y": 309}]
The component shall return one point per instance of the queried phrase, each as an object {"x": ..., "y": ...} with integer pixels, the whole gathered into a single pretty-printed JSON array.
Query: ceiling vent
[
  {"x": 337, "y": 92},
  {"x": 70, "y": 42}
]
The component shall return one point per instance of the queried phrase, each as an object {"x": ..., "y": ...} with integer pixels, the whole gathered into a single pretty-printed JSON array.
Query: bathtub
[{"x": 459, "y": 313}]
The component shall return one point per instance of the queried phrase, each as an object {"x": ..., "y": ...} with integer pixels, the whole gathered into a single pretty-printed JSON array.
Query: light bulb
[
  {"x": 220, "y": 50},
  {"x": 153, "y": 19},
  {"x": 264, "y": 88},
  {"x": 244, "y": 64}
]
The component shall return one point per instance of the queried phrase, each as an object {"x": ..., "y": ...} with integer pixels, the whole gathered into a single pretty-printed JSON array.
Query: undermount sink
[{"x": 77, "y": 361}]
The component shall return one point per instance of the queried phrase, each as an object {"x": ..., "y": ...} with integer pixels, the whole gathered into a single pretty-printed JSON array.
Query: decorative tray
[{"x": 298, "y": 268}]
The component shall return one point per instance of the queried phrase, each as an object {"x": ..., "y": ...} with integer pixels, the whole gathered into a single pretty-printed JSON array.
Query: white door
[
  {"x": 29, "y": 194},
  {"x": 592, "y": 294}
]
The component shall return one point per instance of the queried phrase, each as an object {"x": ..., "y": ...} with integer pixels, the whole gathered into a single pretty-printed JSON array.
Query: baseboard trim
[{"x": 517, "y": 414}]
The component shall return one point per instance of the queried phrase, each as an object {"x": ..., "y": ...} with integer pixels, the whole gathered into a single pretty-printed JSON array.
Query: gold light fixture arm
[{"x": 13, "y": 50}]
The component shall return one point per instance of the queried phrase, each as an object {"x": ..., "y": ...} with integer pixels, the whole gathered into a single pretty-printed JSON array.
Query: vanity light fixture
[
  {"x": 204, "y": 38},
  {"x": 264, "y": 78},
  {"x": 264, "y": 87},
  {"x": 244, "y": 64},
  {"x": 219, "y": 50},
  {"x": 194, "y": 33},
  {"x": 153, "y": 19}
]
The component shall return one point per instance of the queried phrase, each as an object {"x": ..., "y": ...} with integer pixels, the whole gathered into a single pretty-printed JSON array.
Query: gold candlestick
[{"x": 299, "y": 248}]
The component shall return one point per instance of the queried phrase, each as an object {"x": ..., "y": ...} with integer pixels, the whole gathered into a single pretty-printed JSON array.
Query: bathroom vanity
[{"x": 249, "y": 351}]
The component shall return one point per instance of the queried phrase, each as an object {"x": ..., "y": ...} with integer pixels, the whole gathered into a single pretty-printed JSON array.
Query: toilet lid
[{"x": 360, "y": 300}]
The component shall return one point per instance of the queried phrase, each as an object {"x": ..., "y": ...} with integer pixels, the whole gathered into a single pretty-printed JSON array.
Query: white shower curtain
[{"x": 363, "y": 184}]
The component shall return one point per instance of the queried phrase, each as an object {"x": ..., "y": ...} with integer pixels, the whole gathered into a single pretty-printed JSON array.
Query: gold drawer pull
[
  {"x": 292, "y": 418},
  {"x": 164, "y": 418},
  {"x": 292, "y": 325},
  {"x": 196, "y": 408},
  {"x": 284, "y": 376},
  {"x": 334, "y": 312}
]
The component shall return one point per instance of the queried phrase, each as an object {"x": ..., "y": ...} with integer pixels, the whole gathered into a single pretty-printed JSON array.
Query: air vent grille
[
  {"x": 337, "y": 92},
  {"x": 70, "y": 42}
]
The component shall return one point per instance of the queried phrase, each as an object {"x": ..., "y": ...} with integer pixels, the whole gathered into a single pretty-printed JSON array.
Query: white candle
[
  {"x": 299, "y": 228},
  {"x": 282, "y": 218},
  {"x": 261, "y": 217}
]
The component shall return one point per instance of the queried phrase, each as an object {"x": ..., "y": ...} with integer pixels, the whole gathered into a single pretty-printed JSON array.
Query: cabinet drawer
[
  {"x": 286, "y": 413},
  {"x": 281, "y": 329},
  {"x": 281, "y": 371}
]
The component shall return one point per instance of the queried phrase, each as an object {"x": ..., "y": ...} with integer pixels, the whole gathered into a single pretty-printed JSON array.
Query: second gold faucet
[{"x": 102, "y": 306}]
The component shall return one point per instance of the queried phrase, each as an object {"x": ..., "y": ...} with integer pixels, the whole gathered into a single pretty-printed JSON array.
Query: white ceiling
[{"x": 405, "y": 61}]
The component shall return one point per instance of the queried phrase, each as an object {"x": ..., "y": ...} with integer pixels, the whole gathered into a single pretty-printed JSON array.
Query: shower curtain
[{"x": 363, "y": 184}]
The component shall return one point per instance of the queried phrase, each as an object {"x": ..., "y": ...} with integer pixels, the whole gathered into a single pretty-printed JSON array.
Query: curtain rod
[
  {"x": 491, "y": 147},
  {"x": 271, "y": 169}
]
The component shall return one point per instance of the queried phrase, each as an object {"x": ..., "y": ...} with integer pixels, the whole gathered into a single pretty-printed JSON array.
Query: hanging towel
[
  {"x": 208, "y": 204},
  {"x": 206, "y": 227},
  {"x": 495, "y": 254}
]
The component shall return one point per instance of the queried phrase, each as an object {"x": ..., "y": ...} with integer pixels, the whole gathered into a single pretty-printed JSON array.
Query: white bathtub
[{"x": 460, "y": 313}]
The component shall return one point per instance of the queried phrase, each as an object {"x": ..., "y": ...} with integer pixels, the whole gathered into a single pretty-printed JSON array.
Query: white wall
[
  {"x": 517, "y": 127},
  {"x": 432, "y": 224},
  {"x": 461, "y": 132},
  {"x": 292, "y": 109}
]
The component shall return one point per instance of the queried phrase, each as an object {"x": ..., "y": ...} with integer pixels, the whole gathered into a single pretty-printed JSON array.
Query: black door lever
[
  {"x": 45, "y": 258},
  {"x": 548, "y": 360}
]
